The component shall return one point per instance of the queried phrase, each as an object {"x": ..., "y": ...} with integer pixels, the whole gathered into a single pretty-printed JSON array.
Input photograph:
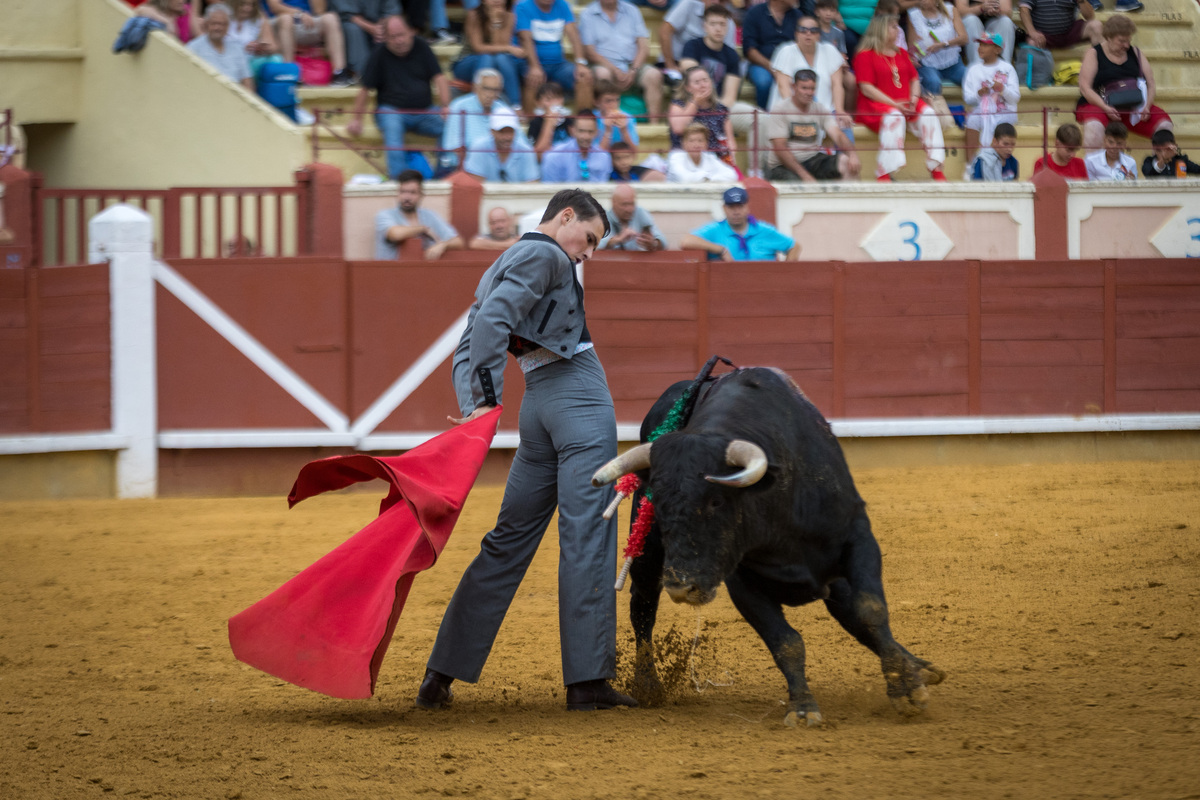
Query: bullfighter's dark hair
[{"x": 582, "y": 203}]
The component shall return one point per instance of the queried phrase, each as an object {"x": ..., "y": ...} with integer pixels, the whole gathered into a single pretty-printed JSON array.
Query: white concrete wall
[{"x": 1147, "y": 219}]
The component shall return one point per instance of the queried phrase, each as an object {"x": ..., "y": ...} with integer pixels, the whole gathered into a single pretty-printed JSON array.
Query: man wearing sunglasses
[{"x": 741, "y": 237}]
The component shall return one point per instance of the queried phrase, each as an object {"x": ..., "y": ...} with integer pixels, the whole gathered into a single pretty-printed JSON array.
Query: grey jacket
[
  {"x": 530, "y": 292},
  {"x": 370, "y": 10}
]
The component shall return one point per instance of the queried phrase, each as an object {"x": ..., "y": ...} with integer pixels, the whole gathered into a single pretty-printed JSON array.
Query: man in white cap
[
  {"x": 741, "y": 237},
  {"x": 502, "y": 154}
]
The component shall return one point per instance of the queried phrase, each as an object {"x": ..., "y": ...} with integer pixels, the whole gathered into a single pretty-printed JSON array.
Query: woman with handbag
[{"x": 1116, "y": 84}]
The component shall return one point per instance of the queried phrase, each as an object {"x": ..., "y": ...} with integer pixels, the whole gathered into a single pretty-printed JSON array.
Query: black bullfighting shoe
[
  {"x": 435, "y": 691},
  {"x": 596, "y": 695}
]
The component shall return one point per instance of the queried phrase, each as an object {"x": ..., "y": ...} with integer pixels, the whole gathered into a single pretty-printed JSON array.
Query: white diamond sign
[
  {"x": 907, "y": 236},
  {"x": 1179, "y": 237}
]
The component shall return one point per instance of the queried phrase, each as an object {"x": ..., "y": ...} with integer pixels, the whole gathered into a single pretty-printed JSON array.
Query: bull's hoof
[
  {"x": 909, "y": 692},
  {"x": 811, "y": 719}
]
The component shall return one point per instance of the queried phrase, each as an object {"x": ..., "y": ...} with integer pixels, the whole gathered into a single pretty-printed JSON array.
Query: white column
[{"x": 124, "y": 237}]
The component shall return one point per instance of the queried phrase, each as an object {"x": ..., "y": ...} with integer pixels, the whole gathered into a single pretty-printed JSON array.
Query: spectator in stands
[
  {"x": 797, "y": 129},
  {"x": 718, "y": 59},
  {"x": 992, "y": 91},
  {"x": 488, "y": 43},
  {"x": 408, "y": 220},
  {"x": 996, "y": 163},
  {"x": 683, "y": 23},
  {"x": 1112, "y": 163},
  {"x": 993, "y": 16},
  {"x": 625, "y": 171},
  {"x": 741, "y": 237},
  {"x": 630, "y": 226},
  {"x": 249, "y": 31},
  {"x": 614, "y": 125},
  {"x": 439, "y": 21},
  {"x": 1167, "y": 161},
  {"x": 550, "y": 125},
  {"x": 1056, "y": 24},
  {"x": 694, "y": 163},
  {"x": 829, "y": 20},
  {"x": 764, "y": 28},
  {"x": 1112, "y": 60},
  {"x": 809, "y": 52},
  {"x": 856, "y": 15},
  {"x": 696, "y": 101},
  {"x": 309, "y": 23},
  {"x": 400, "y": 72},
  {"x": 937, "y": 40},
  {"x": 542, "y": 25},
  {"x": 577, "y": 160},
  {"x": 179, "y": 17},
  {"x": 889, "y": 99},
  {"x": 1062, "y": 159},
  {"x": 617, "y": 45},
  {"x": 467, "y": 116},
  {"x": 362, "y": 27},
  {"x": 502, "y": 155},
  {"x": 501, "y": 233},
  {"x": 226, "y": 57}
]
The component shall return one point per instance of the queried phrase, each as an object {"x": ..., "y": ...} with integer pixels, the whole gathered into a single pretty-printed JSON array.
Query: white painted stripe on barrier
[
  {"x": 62, "y": 443},
  {"x": 407, "y": 441},
  {"x": 268, "y": 437},
  {"x": 250, "y": 347},
  {"x": 976, "y": 426},
  {"x": 412, "y": 378}
]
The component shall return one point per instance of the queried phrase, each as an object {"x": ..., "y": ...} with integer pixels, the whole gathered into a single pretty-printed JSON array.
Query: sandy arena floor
[{"x": 1061, "y": 600}]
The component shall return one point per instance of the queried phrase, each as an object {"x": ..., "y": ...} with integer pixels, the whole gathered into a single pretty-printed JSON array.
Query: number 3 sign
[{"x": 907, "y": 236}]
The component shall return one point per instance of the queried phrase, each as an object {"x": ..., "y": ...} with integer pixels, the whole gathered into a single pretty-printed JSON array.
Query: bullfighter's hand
[{"x": 476, "y": 414}]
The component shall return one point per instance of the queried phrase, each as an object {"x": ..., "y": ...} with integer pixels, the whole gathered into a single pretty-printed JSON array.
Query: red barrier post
[
  {"x": 466, "y": 195},
  {"x": 324, "y": 209},
  {"x": 1050, "y": 216}
]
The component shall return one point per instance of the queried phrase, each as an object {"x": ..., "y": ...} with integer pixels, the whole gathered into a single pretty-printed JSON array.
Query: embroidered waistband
[{"x": 541, "y": 357}]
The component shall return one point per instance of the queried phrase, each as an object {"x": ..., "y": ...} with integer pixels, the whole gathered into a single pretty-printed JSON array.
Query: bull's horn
[
  {"x": 630, "y": 461},
  {"x": 748, "y": 455}
]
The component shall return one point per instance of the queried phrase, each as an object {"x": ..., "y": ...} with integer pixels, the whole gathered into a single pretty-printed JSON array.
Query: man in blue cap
[{"x": 741, "y": 237}]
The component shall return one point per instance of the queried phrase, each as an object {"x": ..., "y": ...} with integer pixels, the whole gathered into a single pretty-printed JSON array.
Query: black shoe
[
  {"x": 435, "y": 691},
  {"x": 343, "y": 77},
  {"x": 596, "y": 695}
]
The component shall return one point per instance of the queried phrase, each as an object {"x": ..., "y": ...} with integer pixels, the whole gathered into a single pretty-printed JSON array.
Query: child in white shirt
[
  {"x": 992, "y": 90},
  {"x": 694, "y": 164},
  {"x": 1112, "y": 163}
]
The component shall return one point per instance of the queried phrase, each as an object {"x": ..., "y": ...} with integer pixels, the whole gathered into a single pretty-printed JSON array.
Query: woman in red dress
[{"x": 889, "y": 100}]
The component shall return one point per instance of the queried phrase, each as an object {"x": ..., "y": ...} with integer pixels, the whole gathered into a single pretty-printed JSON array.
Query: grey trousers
[
  {"x": 568, "y": 431},
  {"x": 358, "y": 47}
]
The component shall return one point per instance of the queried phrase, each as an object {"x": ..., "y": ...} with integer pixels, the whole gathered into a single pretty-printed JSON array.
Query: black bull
[{"x": 787, "y": 528}]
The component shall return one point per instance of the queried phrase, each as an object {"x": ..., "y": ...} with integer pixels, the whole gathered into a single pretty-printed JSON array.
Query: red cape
[{"x": 328, "y": 628}]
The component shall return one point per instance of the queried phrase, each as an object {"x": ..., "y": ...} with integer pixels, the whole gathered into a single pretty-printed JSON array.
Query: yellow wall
[{"x": 153, "y": 119}]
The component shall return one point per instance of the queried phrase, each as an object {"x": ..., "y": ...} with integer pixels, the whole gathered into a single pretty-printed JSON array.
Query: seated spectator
[
  {"x": 617, "y": 45},
  {"x": 764, "y": 28},
  {"x": 683, "y": 23},
  {"x": 625, "y": 171},
  {"x": 488, "y": 43},
  {"x": 992, "y": 91},
  {"x": 502, "y": 155},
  {"x": 249, "y": 31},
  {"x": 889, "y": 99},
  {"x": 362, "y": 27},
  {"x": 408, "y": 220},
  {"x": 1112, "y": 163},
  {"x": 808, "y": 52},
  {"x": 797, "y": 130},
  {"x": 741, "y": 237},
  {"x": 829, "y": 21},
  {"x": 400, "y": 73},
  {"x": 226, "y": 57},
  {"x": 1112, "y": 60},
  {"x": 996, "y": 163},
  {"x": 309, "y": 23},
  {"x": 937, "y": 40},
  {"x": 501, "y": 233},
  {"x": 542, "y": 25},
  {"x": 614, "y": 125},
  {"x": 1062, "y": 159},
  {"x": 577, "y": 160},
  {"x": 630, "y": 226},
  {"x": 467, "y": 115},
  {"x": 550, "y": 125},
  {"x": 992, "y": 16},
  {"x": 696, "y": 101},
  {"x": 856, "y": 15},
  {"x": 694, "y": 163},
  {"x": 1167, "y": 161},
  {"x": 181, "y": 19},
  {"x": 718, "y": 59},
  {"x": 1055, "y": 24}
]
